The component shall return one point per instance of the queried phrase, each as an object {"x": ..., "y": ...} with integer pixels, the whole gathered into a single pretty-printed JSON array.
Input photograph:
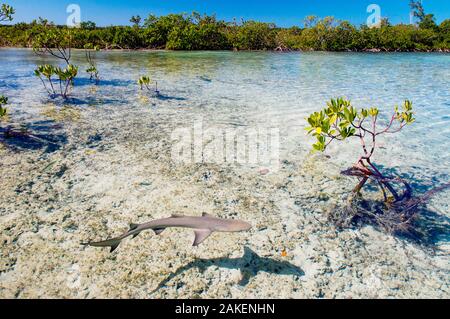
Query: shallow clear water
[
  {"x": 264, "y": 90},
  {"x": 103, "y": 159}
]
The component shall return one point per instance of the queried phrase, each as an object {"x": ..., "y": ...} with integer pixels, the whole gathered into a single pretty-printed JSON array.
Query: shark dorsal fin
[
  {"x": 201, "y": 235},
  {"x": 176, "y": 216},
  {"x": 206, "y": 215},
  {"x": 133, "y": 227}
]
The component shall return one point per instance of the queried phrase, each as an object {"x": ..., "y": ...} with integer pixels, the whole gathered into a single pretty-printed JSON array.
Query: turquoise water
[
  {"x": 102, "y": 159},
  {"x": 263, "y": 89}
]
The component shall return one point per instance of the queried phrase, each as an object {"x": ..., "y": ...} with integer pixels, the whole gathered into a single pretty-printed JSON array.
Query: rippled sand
[{"x": 104, "y": 161}]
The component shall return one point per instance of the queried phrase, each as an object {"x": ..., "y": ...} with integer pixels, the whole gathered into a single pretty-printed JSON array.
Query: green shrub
[
  {"x": 64, "y": 77},
  {"x": 254, "y": 35},
  {"x": 144, "y": 83},
  {"x": 3, "y": 102},
  {"x": 340, "y": 121}
]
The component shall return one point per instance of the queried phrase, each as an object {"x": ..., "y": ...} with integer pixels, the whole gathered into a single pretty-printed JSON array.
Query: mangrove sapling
[
  {"x": 145, "y": 81},
  {"x": 339, "y": 121},
  {"x": 46, "y": 71},
  {"x": 54, "y": 41},
  {"x": 3, "y": 102},
  {"x": 93, "y": 74},
  {"x": 64, "y": 78},
  {"x": 90, "y": 58}
]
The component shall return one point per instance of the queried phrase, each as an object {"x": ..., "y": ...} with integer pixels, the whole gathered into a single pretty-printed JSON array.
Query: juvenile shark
[{"x": 203, "y": 227}]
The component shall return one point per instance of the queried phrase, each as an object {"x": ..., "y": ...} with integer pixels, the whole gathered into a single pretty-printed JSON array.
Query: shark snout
[
  {"x": 233, "y": 225},
  {"x": 240, "y": 225}
]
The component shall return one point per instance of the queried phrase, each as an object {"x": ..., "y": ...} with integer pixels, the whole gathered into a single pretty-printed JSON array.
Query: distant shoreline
[
  {"x": 274, "y": 51},
  {"x": 183, "y": 32}
]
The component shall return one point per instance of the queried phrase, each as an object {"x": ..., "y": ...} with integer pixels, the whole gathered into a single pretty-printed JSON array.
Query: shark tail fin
[{"x": 113, "y": 243}]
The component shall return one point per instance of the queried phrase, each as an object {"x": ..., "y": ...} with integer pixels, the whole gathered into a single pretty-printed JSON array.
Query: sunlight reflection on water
[{"x": 261, "y": 89}]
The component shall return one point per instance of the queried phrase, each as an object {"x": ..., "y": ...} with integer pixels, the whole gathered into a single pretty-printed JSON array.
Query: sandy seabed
[
  {"x": 111, "y": 173},
  {"x": 104, "y": 161}
]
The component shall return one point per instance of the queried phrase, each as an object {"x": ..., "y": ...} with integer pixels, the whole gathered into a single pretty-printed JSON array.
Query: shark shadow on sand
[{"x": 250, "y": 264}]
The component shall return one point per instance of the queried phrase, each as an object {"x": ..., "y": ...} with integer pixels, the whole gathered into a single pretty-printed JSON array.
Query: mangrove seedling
[
  {"x": 6, "y": 12},
  {"x": 64, "y": 78},
  {"x": 340, "y": 121},
  {"x": 46, "y": 72},
  {"x": 145, "y": 81},
  {"x": 93, "y": 74},
  {"x": 90, "y": 58},
  {"x": 58, "y": 43},
  {"x": 3, "y": 102}
]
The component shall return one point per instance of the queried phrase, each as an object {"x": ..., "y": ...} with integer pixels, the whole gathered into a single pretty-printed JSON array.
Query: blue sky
[{"x": 281, "y": 12}]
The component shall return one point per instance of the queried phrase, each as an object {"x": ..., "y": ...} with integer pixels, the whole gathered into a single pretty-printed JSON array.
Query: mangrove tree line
[{"x": 203, "y": 32}]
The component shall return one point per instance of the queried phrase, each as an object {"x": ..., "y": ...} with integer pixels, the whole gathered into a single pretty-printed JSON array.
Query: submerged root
[
  {"x": 282, "y": 48},
  {"x": 12, "y": 132},
  {"x": 396, "y": 217}
]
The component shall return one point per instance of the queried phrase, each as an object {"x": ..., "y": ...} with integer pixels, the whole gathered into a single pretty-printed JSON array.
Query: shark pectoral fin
[
  {"x": 158, "y": 231},
  {"x": 201, "y": 235},
  {"x": 114, "y": 247}
]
